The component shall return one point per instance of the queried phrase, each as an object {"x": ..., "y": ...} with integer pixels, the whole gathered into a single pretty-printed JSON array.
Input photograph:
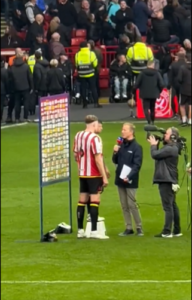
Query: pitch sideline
[{"x": 44, "y": 282}]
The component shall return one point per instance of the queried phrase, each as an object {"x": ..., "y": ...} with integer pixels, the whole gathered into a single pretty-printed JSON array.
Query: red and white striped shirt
[{"x": 86, "y": 146}]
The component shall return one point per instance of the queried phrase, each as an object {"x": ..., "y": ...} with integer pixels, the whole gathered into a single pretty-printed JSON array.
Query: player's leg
[
  {"x": 83, "y": 198},
  {"x": 88, "y": 208},
  {"x": 95, "y": 187}
]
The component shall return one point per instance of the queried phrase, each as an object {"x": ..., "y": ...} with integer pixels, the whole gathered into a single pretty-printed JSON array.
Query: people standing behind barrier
[
  {"x": 99, "y": 57},
  {"x": 138, "y": 56},
  {"x": 150, "y": 84},
  {"x": 184, "y": 80},
  {"x": 86, "y": 63},
  {"x": 174, "y": 86},
  {"x": 83, "y": 18},
  {"x": 22, "y": 82},
  {"x": 40, "y": 44},
  {"x": 40, "y": 75},
  {"x": 121, "y": 71},
  {"x": 55, "y": 79},
  {"x": 141, "y": 14},
  {"x": 55, "y": 46},
  {"x": 56, "y": 26},
  {"x": 122, "y": 17},
  {"x": 10, "y": 39},
  {"x": 4, "y": 85}
]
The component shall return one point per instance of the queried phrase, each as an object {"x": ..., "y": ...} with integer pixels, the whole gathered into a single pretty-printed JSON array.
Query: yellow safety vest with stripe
[
  {"x": 138, "y": 57},
  {"x": 86, "y": 62},
  {"x": 31, "y": 62}
]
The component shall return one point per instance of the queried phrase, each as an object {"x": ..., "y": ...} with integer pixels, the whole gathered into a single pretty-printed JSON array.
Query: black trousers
[
  {"x": 149, "y": 109},
  {"x": 172, "y": 216},
  {"x": 175, "y": 92},
  {"x": 89, "y": 83},
  {"x": 97, "y": 83},
  {"x": 2, "y": 105},
  {"x": 11, "y": 106},
  {"x": 19, "y": 96}
]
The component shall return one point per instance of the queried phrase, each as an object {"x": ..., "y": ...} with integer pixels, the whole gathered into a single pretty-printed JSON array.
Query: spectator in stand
[
  {"x": 132, "y": 32},
  {"x": 187, "y": 46},
  {"x": 52, "y": 7},
  {"x": 184, "y": 80},
  {"x": 55, "y": 47},
  {"x": 122, "y": 17},
  {"x": 121, "y": 71},
  {"x": 32, "y": 10},
  {"x": 168, "y": 12},
  {"x": 107, "y": 32},
  {"x": 42, "y": 6},
  {"x": 141, "y": 14},
  {"x": 55, "y": 79},
  {"x": 19, "y": 18},
  {"x": 111, "y": 11},
  {"x": 83, "y": 18},
  {"x": 161, "y": 30},
  {"x": 78, "y": 5},
  {"x": 94, "y": 32},
  {"x": 124, "y": 45},
  {"x": 34, "y": 30},
  {"x": 40, "y": 44},
  {"x": 22, "y": 82},
  {"x": 10, "y": 39},
  {"x": 156, "y": 6},
  {"x": 98, "y": 8},
  {"x": 179, "y": 11},
  {"x": 56, "y": 26},
  {"x": 4, "y": 85},
  {"x": 149, "y": 77},
  {"x": 187, "y": 29},
  {"x": 67, "y": 15},
  {"x": 138, "y": 57},
  {"x": 180, "y": 60},
  {"x": 41, "y": 69}
]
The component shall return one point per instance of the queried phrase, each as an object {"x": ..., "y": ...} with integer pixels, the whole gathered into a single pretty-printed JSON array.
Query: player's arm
[
  {"x": 75, "y": 149},
  {"x": 106, "y": 170},
  {"x": 97, "y": 151}
]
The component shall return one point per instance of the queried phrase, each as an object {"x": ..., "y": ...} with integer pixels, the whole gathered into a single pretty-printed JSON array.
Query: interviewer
[
  {"x": 130, "y": 154},
  {"x": 166, "y": 176}
]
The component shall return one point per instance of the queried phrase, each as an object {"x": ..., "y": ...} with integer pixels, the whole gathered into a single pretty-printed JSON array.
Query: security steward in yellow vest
[
  {"x": 138, "y": 57},
  {"x": 86, "y": 63},
  {"x": 31, "y": 61}
]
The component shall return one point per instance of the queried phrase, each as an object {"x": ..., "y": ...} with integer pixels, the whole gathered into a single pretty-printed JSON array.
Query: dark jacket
[
  {"x": 34, "y": 30},
  {"x": 121, "y": 18},
  {"x": 83, "y": 20},
  {"x": 64, "y": 38},
  {"x": 55, "y": 81},
  {"x": 184, "y": 79},
  {"x": 131, "y": 155},
  {"x": 4, "y": 80},
  {"x": 21, "y": 76},
  {"x": 173, "y": 73},
  {"x": 44, "y": 49},
  {"x": 150, "y": 83},
  {"x": 141, "y": 14},
  {"x": 161, "y": 30},
  {"x": 8, "y": 42},
  {"x": 40, "y": 75},
  {"x": 108, "y": 33},
  {"x": 66, "y": 67},
  {"x": 123, "y": 70},
  {"x": 94, "y": 32},
  {"x": 166, "y": 161},
  {"x": 67, "y": 14},
  {"x": 123, "y": 48}
]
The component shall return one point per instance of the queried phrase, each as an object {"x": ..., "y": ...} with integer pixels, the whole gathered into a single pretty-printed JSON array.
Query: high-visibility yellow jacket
[
  {"x": 86, "y": 62},
  {"x": 31, "y": 62},
  {"x": 138, "y": 57}
]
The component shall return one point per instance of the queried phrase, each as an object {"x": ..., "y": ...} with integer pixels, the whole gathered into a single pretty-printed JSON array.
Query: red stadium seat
[
  {"x": 75, "y": 42},
  {"x": 104, "y": 78},
  {"x": 81, "y": 33},
  {"x": 22, "y": 34}
]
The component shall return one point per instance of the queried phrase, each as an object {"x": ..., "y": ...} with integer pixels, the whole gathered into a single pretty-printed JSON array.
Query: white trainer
[
  {"x": 167, "y": 236},
  {"x": 96, "y": 235},
  {"x": 117, "y": 96},
  {"x": 81, "y": 234},
  {"x": 177, "y": 234},
  {"x": 124, "y": 96}
]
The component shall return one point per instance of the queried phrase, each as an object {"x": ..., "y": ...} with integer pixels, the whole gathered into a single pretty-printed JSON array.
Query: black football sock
[
  {"x": 88, "y": 207},
  {"x": 94, "y": 212},
  {"x": 80, "y": 215}
]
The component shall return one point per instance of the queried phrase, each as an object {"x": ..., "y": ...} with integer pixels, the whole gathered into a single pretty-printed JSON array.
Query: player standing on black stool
[
  {"x": 86, "y": 63},
  {"x": 166, "y": 176}
]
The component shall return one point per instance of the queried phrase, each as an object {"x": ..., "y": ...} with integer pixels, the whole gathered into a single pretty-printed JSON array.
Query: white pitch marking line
[
  {"x": 14, "y": 125},
  {"x": 97, "y": 282}
]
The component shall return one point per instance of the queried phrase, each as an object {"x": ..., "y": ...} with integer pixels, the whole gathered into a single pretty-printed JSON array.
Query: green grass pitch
[{"x": 39, "y": 267}]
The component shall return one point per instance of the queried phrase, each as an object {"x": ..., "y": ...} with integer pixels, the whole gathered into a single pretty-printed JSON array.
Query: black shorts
[
  {"x": 91, "y": 186},
  {"x": 184, "y": 100}
]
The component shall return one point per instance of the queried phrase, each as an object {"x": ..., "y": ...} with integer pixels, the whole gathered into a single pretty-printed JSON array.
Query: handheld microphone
[
  {"x": 154, "y": 128},
  {"x": 119, "y": 141}
]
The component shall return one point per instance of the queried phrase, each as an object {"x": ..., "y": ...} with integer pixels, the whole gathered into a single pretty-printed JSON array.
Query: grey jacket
[{"x": 166, "y": 162}]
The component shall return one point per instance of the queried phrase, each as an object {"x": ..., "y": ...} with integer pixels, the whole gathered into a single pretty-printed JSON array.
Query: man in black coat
[
  {"x": 22, "y": 81},
  {"x": 40, "y": 75},
  {"x": 150, "y": 83},
  {"x": 4, "y": 85},
  {"x": 128, "y": 155},
  {"x": 123, "y": 16},
  {"x": 166, "y": 176},
  {"x": 184, "y": 80}
]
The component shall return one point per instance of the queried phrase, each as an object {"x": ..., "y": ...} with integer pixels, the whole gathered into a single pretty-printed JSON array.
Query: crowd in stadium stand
[{"x": 48, "y": 28}]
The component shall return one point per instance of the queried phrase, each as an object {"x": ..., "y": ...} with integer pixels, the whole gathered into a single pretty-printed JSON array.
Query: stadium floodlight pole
[{"x": 54, "y": 147}]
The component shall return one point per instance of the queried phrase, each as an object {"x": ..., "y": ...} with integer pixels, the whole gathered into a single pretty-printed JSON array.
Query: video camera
[{"x": 179, "y": 140}]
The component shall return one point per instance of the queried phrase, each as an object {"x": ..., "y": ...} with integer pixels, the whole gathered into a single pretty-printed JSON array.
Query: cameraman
[{"x": 166, "y": 176}]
